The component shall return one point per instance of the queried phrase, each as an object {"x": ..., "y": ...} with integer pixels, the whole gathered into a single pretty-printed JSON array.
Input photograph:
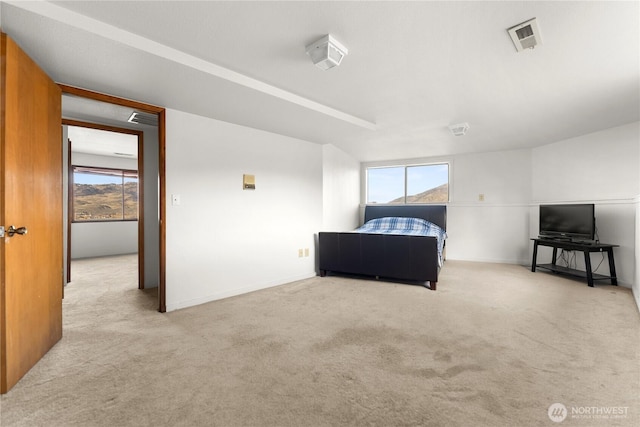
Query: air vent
[
  {"x": 525, "y": 35},
  {"x": 143, "y": 118}
]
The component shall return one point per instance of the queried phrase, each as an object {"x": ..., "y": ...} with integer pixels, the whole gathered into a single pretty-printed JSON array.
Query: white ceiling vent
[
  {"x": 525, "y": 35},
  {"x": 143, "y": 118}
]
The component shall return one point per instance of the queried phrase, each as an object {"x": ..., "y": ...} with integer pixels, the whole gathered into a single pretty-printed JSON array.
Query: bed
[{"x": 386, "y": 254}]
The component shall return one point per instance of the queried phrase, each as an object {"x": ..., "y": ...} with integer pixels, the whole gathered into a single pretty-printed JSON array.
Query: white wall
[
  {"x": 493, "y": 230},
  {"x": 95, "y": 239},
  {"x": 223, "y": 240},
  {"x": 496, "y": 229},
  {"x": 600, "y": 168},
  {"x": 103, "y": 238},
  {"x": 341, "y": 190}
]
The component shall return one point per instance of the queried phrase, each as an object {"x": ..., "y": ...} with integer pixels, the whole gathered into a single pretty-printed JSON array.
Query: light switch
[{"x": 175, "y": 199}]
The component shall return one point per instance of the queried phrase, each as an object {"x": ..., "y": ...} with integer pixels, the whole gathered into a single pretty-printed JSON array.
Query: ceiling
[
  {"x": 103, "y": 143},
  {"x": 413, "y": 68}
]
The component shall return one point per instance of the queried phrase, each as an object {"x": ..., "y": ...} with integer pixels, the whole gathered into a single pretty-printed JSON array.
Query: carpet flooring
[{"x": 495, "y": 345}]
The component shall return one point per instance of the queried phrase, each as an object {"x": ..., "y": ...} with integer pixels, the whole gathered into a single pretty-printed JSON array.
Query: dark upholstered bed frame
[{"x": 387, "y": 256}]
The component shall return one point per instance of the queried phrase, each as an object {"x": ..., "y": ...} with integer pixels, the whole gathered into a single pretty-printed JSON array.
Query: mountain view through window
[
  {"x": 408, "y": 184},
  {"x": 104, "y": 194}
]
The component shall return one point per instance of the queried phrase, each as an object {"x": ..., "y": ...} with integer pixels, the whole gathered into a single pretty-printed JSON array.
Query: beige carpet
[{"x": 496, "y": 345}]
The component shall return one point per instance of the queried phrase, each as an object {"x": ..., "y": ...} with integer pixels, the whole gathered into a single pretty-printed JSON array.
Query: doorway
[
  {"x": 105, "y": 193},
  {"x": 154, "y": 178}
]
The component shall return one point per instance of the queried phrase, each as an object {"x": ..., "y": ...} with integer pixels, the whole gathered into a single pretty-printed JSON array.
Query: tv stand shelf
[
  {"x": 571, "y": 272},
  {"x": 585, "y": 248}
]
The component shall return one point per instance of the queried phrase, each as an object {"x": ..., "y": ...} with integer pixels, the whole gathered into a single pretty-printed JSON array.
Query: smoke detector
[
  {"x": 460, "y": 129},
  {"x": 143, "y": 118},
  {"x": 326, "y": 52},
  {"x": 525, "y": 35}
]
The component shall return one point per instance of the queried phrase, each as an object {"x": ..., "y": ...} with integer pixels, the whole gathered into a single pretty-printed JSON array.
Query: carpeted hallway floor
[{"x": 496, "y": 345}]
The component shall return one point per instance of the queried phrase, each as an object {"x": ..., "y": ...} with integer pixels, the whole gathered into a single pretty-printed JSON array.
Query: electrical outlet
[
  {"x": 300, "y": 253},
  {"x": 481, "y": 197},
  {"x": 306, "y": 252},
  {"x": 175, "y": 199}
]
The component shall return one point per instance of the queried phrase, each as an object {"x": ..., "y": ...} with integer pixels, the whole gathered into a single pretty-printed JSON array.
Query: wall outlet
[
  {"x": 300, "y": 253},
  {"x": 306, "y": 252},
  {"x": 175, "y": 199},
  {"x": 481, "y": 197}
]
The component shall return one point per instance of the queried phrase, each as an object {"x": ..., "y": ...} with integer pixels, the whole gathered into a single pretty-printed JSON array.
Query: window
[
  {"x": 101, "y": 194},
  {"x": 408, "y": 184}
]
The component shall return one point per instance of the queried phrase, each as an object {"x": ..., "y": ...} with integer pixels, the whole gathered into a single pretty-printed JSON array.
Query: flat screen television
[{"x": 575, "y": 222}]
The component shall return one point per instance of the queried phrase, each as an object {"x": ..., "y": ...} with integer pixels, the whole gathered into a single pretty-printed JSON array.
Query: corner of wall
[{"x": 340, "y": 189}]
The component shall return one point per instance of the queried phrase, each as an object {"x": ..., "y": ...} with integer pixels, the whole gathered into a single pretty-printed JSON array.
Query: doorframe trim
[
  {"x": 140, "y": 167},
  {"x": 161, "y": 113}
]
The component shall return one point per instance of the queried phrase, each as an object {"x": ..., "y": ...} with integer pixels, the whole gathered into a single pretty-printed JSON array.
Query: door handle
[{"x": 12, "y": 230}]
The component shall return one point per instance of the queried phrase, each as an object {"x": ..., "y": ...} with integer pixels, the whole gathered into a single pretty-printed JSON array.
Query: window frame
[
  {"x": 405, "y": 182},
  {"x": 98, "y": 170}
]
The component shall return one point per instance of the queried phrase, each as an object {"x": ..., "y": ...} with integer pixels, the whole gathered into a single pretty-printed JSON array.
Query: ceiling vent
[
  {"x": 326, "y": 52},
  {"x": 460, "y": 129},
  {"x": 525, "y": 35},
  {"x": 143, "y": 118}
]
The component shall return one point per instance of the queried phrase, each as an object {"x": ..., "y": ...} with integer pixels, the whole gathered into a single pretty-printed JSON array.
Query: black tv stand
[{"x": 583, "y": 247}]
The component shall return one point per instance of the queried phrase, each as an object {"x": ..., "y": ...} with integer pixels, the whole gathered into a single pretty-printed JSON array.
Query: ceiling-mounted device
[
  {"x": 460, "y": 129},
  {"x": 525, "y": 35},
  {"x": 326, "y": 52},
  {"x": 143, "y": 118}
]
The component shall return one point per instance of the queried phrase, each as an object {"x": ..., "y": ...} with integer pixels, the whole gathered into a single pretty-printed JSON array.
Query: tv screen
[{"x": 575, "y": 221}]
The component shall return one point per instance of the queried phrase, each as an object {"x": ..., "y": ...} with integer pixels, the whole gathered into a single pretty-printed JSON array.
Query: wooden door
[{"x": 31, "y": 264}]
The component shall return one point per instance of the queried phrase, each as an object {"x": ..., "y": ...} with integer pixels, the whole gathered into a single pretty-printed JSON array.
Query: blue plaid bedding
[{"x": 406, "y": 226}]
